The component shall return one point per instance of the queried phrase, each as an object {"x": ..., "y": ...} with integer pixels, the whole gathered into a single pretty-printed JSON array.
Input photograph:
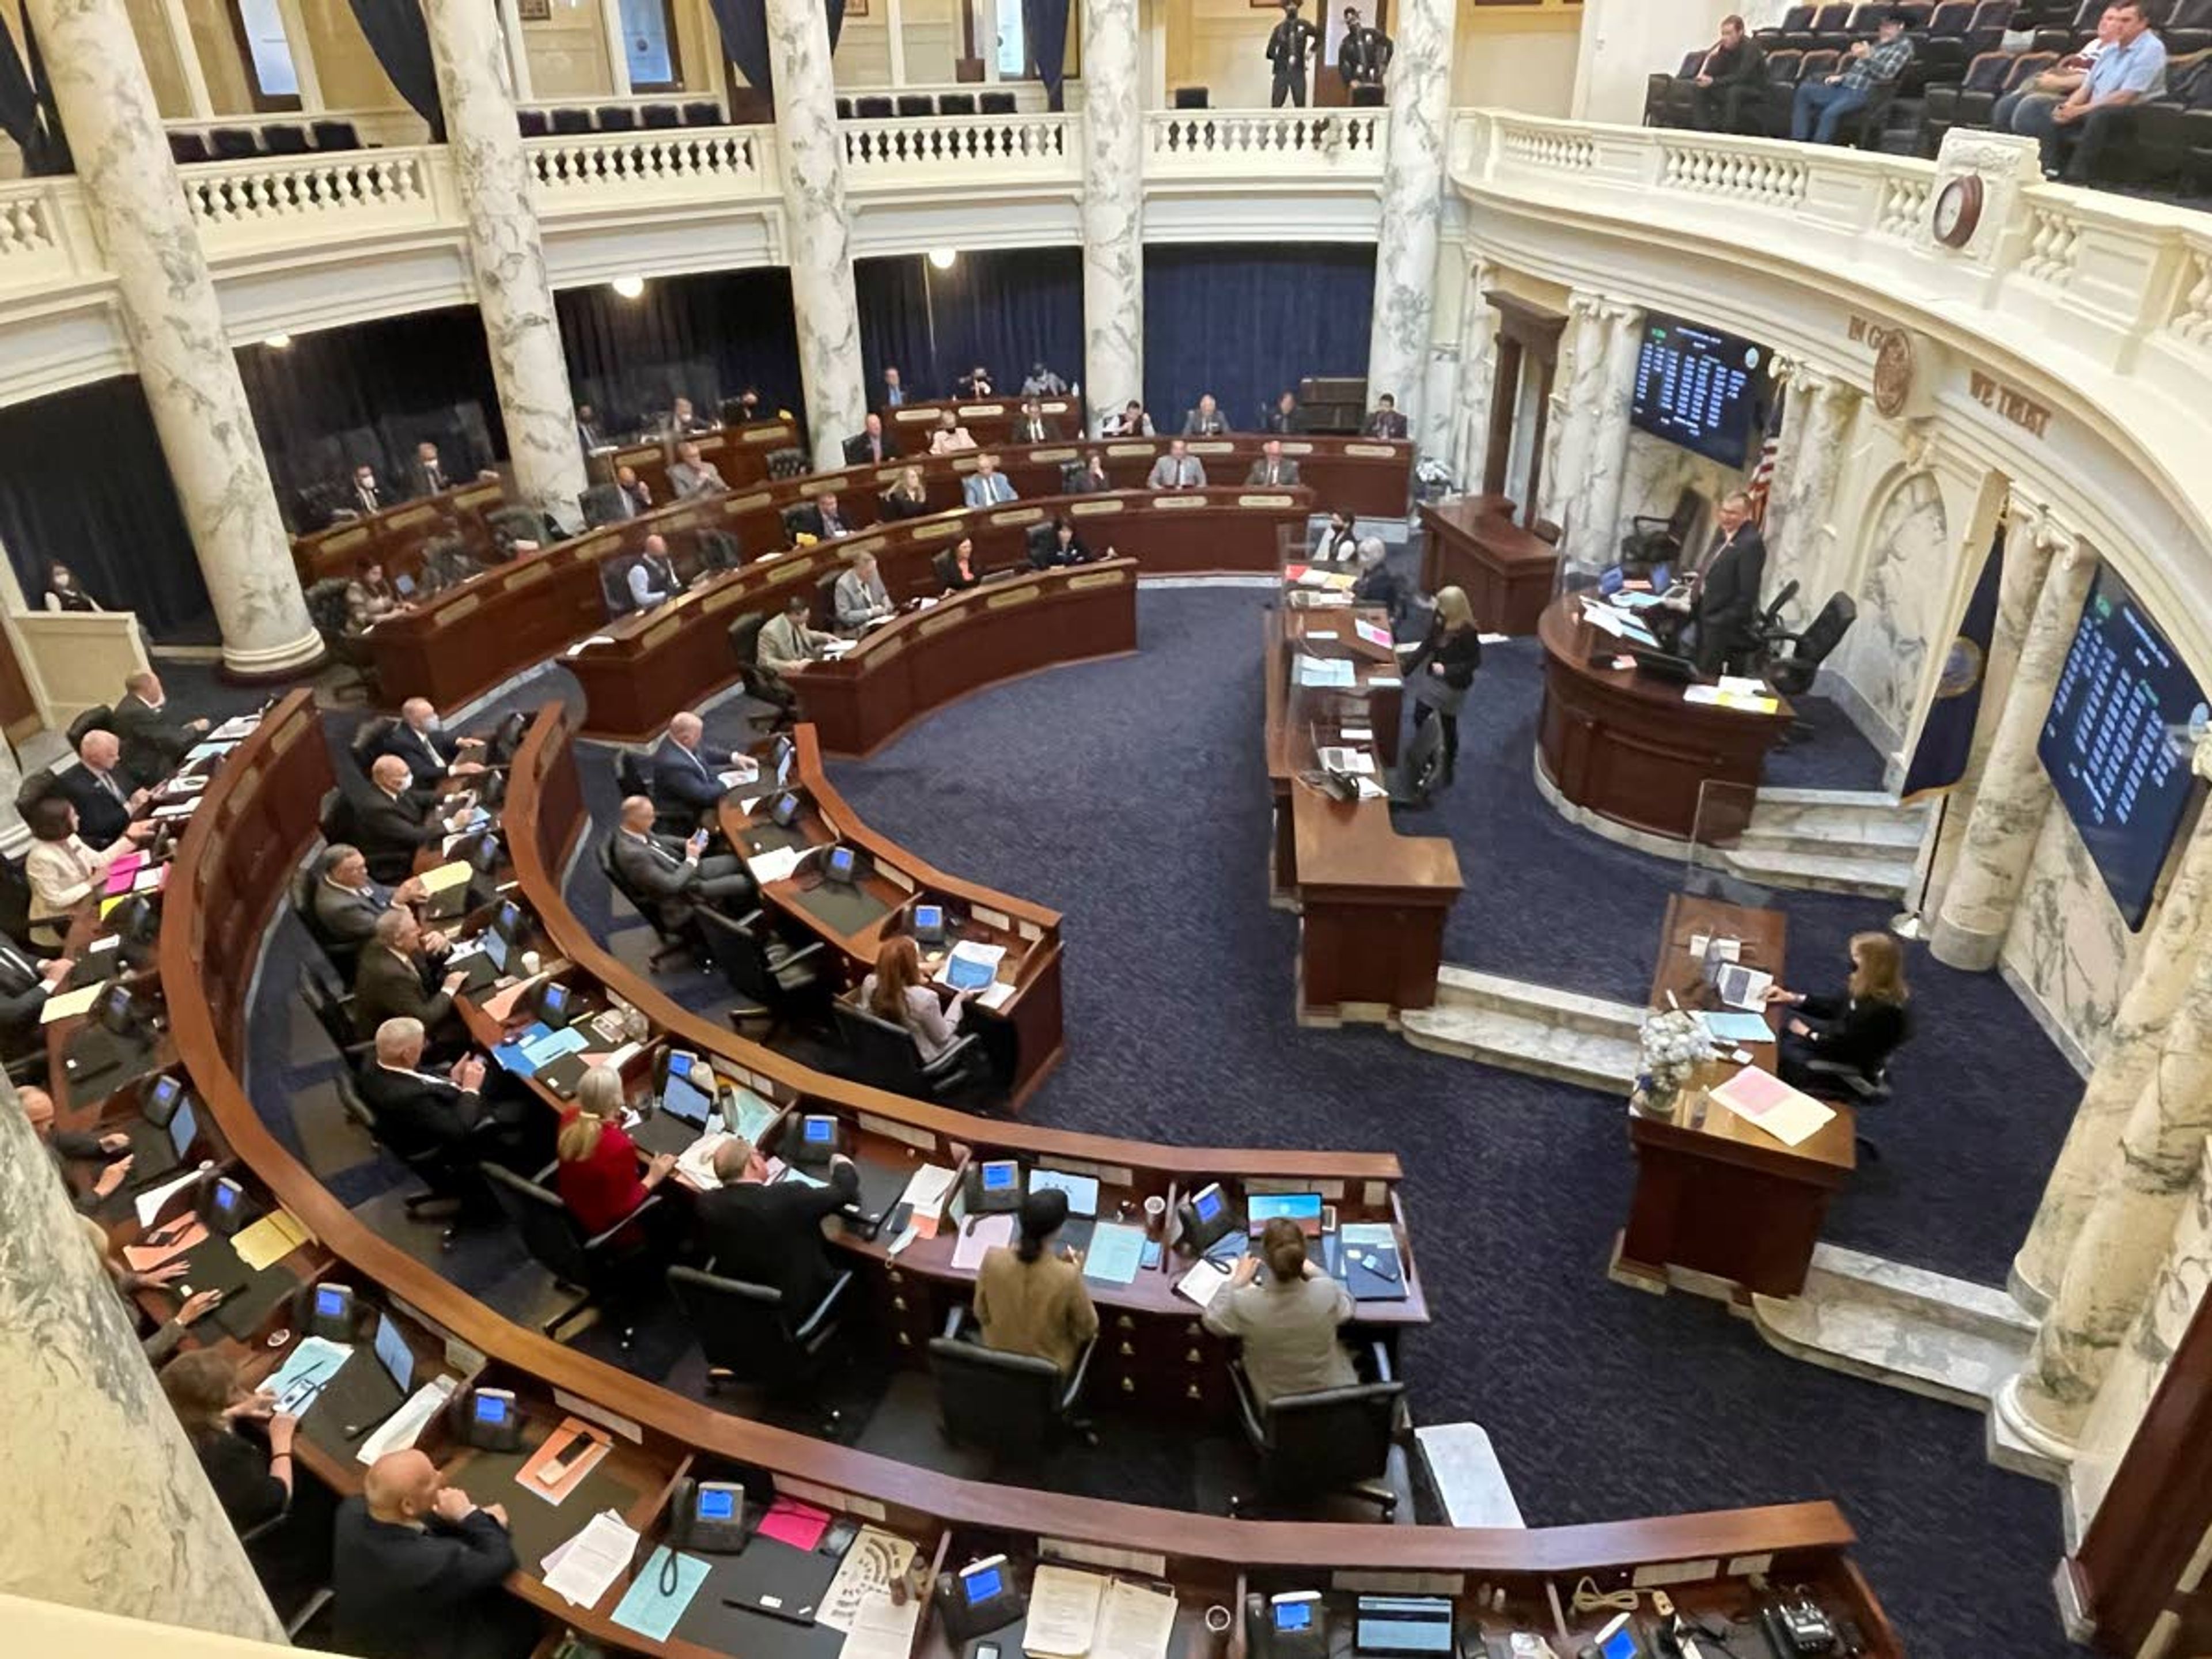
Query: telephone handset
[
  {"x": 488, "y": 1420},
  {"x": 1293, "y": 1626},
  {"x": 1206, "y": 1216},
  {"x": 709, "y": 1517}
]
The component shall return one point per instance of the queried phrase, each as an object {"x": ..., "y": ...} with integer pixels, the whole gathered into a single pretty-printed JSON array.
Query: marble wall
[
  {"x": 1658, "y": 472},
  {"x": 1903, "y": 592},
  {"x": 2069, "y": 947}
]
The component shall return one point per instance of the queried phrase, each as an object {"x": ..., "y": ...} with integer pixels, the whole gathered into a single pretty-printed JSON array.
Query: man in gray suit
[
  {"x": 786, "y": 642},
  {"x": 1177, "y": 470},
  {"x": 1271, "y": 468},
  {"x": 690, "y": 475},
  {"x": 986, "y": 486},
  {"x": 860, "y": 596},
  {"x": 1205, "y": 421},
  {"x": 674, "y": 875},
  {"x": 348, "y": 902}
]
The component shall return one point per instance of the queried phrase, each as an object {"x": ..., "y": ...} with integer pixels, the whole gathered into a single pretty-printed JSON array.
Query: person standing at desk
[
  {"x": 896, "y": 993},
  {"x": 1859, "y": 1029},
  {"x": 771, "y": 1235},
  {"x": 1286, "y": 1320},
  {"x": 1031, "y": 1299},
  {"x": 1443, "y": 666},
  {"x": 154, "y": 741},
  {"x": 1723, "y": 598},
  {"x": 63, "y": 592},
  {"x": 417, "y": 1569}
]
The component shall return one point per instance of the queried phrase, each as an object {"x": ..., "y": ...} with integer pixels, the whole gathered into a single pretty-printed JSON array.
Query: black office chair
[
  {"x": 614, "y": 584},
  {"x": 995, "y": 103},
  {"x": 97, "y": 718},
  {"x": 955, "y": 103},
  {"x": 944, "y": 566},
  {"x": 775, "y": 983},
  {"x": 453, "y": 1190},
  {"x": 285, "y": 138},
  {"x": 1793, "y": 675},
  {"x": 760, "y": 685},
  {"x": 335, "y": 134},
  {"x": 533, "y": 123},
  {"x": 872, "y": 107},
  {"x": 747, "y": 1334},
  {"x": 312, "y": 1598},
  {"x": 568, "y": 123},
  {"x": 1313, "y": 1446},
  {"x": 35, "y": 789},
  {"x": 886, "y": 1056},
  {"x": 603, "y": 504},
  {"x": 913, "y": 104},
  {"x": 789, "y": 462},
  {"x": 799, "y": 518},
  {"x": 333, "y": 1010},
  {"x": 617, "y": 118},
  {"x": 233, "y": 143},
  {"x": 334, "y": 816},
  {"x": 675, "y": 941},
  {"x": 702, "y": 113},
  {"x": 1014, "y": 1405},
  {"x": 597, "y": 1267},
  {"x": 1193, "y": 98},
  {"x": 1652, "y": 541},
  {"x": 185, "y": 148},
  {"x": 369, "y": 739},
  {"x": 661, "y": 117},
  {"x": 719, "y": 549}
]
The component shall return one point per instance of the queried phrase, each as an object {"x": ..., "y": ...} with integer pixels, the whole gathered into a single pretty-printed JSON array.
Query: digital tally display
[
  {"x": 1700, "y": 388},
  {"x": 2117, "y": 741}
]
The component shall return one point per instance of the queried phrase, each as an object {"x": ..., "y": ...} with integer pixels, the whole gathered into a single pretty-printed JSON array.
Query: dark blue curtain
[
  {"x": 401, "y": 41},
  {"x": 26, "y": 105},
  {"x": 1247, "y": 323},
  {"x": 1044, "y": 25},
  {"x": 743, "y": 25},
  {"x": 708, "y": 337},
  {"x": 118, "y": 526},
  {"x": 1006, "y": 309},
  {"x": 371, "y": 391}
]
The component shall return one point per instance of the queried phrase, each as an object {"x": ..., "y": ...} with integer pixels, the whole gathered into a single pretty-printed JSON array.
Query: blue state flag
[{"x": 1946, "y": 736}]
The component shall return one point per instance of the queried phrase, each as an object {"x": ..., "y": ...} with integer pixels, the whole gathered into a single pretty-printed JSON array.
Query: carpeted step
[
  {"x": 1522, "y": 1027},
  {"x": 1869, "y": 876},
  {"x": 1912, "y": 1329}
]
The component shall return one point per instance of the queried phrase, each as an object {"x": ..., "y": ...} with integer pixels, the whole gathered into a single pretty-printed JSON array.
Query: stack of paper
[
  {"x": 1751, "y": 702},
  {"x": 882, "y": 1629},
  {"x": 774, "y": 865},
  {"x": 1063, "y": 1615},
  {"x": 404, "y": 1427},
  {"x": 1327, "y": 671},
  {"x": 270, "y": 1239},
  {"x": 582, "y": 1570},
  {"x": 695, "y": 1162},
  {"x": 1734, "y": 1027},
  {"x": 1134, "y": 1623},
  {"x": 865, "y": 1574},
  {"x": 1765, "y": 1100},
  {"x": 977, "y": 1234},
  {"x": 1115, "y": 1252},
  {"x": 455, "y": 874},
  {"x": 307, "y": 1371},
  {"x": 926, "y": 1190},
  {"x": 68, "y": 1004},
  {"x": 652, "y": 1611},
  {"x": 1203, "y": 1282},
  {"x": 1373, "y": 632}
]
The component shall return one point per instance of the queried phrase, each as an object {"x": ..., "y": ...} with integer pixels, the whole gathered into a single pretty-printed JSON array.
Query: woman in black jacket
[
  {"x": 1858, "y": 1029},
  {"x": 1443, "y": 666}
]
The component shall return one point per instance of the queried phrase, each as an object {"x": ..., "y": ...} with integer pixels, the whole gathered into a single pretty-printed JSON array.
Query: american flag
[{"x": 1762, "y": 474}]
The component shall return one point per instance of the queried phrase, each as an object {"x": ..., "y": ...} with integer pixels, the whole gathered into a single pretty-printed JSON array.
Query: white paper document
[
  {"x": 882, "y": 1630},
  {"x": 774, "y": 865},
  {"x": 404, "y": 1427},
  {"x": 149, "y": 1203},
  {"x": 590, "y": 1561},
  {"x": 978, "y": 1234},
  {"x": 875, "y": 1559},
  {"x": 1202, "y": 1283},
  {"x": 1063, "y": 1612},
  {"x": 997, "y": 994},
  {"x": 1134, "y": 1623},
  {"x": 1358, "y": 761}
]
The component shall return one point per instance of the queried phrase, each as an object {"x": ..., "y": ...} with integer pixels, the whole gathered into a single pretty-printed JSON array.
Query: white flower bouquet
[{"x": 1672, "y": 1044}]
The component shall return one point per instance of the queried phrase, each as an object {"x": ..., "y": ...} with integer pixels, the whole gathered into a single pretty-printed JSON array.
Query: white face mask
[{"x": 435, "y": 723}]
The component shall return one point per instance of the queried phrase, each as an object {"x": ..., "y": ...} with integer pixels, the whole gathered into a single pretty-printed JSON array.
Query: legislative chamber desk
[
  {"x": 1716, "y": 1194},
  {"x": 236, "y": 858},
  {"x": 1623, "y": 745},
  {"x": 1371, "y": 902},
  {"x": 1507, "y": 573},
  {"x": 638, "y": 670},
  {"x": 395, "y": 536}
]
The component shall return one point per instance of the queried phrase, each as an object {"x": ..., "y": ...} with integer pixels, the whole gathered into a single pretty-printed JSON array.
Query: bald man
[
  {"x": 108, "y": 801},
  {"x": 676, "y": 876},
  {"x": 415, "y": 1567},
  {"x": 393, "y": 823},
  {"x": 63, "y": 1144},
  {"x": 420, "y": 740},
  {"x": 155, "y": 740},
  {"x": 687, "y": 775}
]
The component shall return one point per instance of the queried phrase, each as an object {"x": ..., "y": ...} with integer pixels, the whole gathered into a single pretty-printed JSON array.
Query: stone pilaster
[
  {"x": 1419, "y": 90},
  {"x": 2014, "y": 794},
  {"x": 111, "y": 1510},
  {"x": 174, "y": 323},
  {"x": 1478, "y": 376},
  {"x": 2140, "y": 1362},
  {"x": 816, "y": 239},
  {"x": 1798, "y": 539},
  {"x": 1592, "y": 521},
  {"x": 514, "y": 293},
  {"x": 2085, "y": 1161},
  {"x": 1567, "y": 431},
  {"x": 1113, "y": 208},
  {"x": 2126, "y": 1236}
]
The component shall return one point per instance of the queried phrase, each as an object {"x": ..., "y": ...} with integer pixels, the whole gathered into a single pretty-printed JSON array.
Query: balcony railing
[
  {"x": 972, "y": 151},
  {"x": 45, "y": 242},
  {"x": 275, "y": 197},
  {"x": 609, "y": 168},
  {"x": 1291, "y": 144}
]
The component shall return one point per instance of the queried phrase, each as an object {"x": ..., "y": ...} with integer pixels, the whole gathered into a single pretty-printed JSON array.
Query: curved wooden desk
[
  {"x": 242, "y": 843},
  {"x": 395, "y": 536},
  {"x": 1623, "y": 745},
  {"x": 647, "y": 666}
]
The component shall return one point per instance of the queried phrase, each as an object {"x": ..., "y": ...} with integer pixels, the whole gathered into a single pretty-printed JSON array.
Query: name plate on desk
[
  {"x": 968, "y": 410},
  {"x": 768, "y": 435},
  {"x": 660, "y": 633},
  {"x": 477, "y": 497},
  {"x": 1041, "y": 454},
  {"x": 450, "y": 612},
  {"x": 1178, "y": 503},
  {"x": 687, "y": 518},
  {"x": 1016, "y": 515},
  {"x": 907, "y": 415},
  {"x": 1008, "y": 597},
  {"x": 1084, "y": 578},
  {"x": 715, "y": 603},
  {"x": 815, "y": 486},
  {"x": 940, "y": 621},
  {"x": 881, "y": 653},
  {"x": 338, "y": 540},
  {"x": 523, "y": 577},
  {"x": 1373, "y": 452},
  {"x": 1293, "y": 446},
  {"x": 1210, "y": 446},
  {"x": 593, "y": 547},
  {"x": 734, "y": 505},
  {"x": 407, "y": 517},
  {"x": 789, "y": 570},
  {"x": 936, "y": 530},
  {"x": 1265, "y": 501},
  {"x": 1132, "y": 451},
  {"x": 1092, "y": 509}
]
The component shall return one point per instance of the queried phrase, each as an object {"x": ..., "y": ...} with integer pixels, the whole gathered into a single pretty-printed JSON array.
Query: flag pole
[{"x": 1912, "y": 925}]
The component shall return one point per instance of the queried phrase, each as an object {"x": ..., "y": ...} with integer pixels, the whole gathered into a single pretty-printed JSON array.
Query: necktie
[{"x": 107, "y": 782}]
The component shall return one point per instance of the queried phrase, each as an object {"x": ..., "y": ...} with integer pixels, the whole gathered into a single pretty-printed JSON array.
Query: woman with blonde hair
[
  {"x": 1443, "y": 666},
  {"x": 1859, "y": 1029},
  {"x": 597, "y": 1174},
  {"x": 897, "y": 991}
]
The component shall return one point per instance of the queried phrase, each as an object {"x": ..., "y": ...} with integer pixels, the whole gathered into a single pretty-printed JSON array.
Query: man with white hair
[
  {"x": 399, "y": 978},
  {"x": 420, "y": 740},
  {"x": 687, "y": 775},
  {"x": 416, "y": 1568},
  {"x": 420, "y": 1113},
  {"x": 396, "y": 822},
  {"x": 106, "y": 803},
  {"x": 674, "y": 875}
]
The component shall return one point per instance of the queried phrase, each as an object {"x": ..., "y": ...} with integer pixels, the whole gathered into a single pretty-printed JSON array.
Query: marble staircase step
[
  {"x": 1896, "y": 838},
  {"x": 1889, "y": 877},
  {"x": 1929, "y": 1334},
  {"x": 1846, "y": 814},
  {"x": 1529, "y": 1027}
]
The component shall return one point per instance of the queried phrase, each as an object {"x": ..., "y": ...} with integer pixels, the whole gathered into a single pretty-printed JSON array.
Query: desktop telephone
[
  {"x": 978, "y": 1599},
  {"x": 488, "y": 1420},
  {"x": 1293, "y": 1625},
  {"x": 1204, "y": 1216},
  {"x": 1796, "y": 1626},
  {"x": 164, "y": 1095},
  {"x": 709, "y": 1517},
  {"x": 325, "y": 1310},
  {"x": 991, "y": 1185},
  {"x": 927, "y": 925},
  {"x": 811, "y": 1139},
  {"x": 221, "y": 1206}
]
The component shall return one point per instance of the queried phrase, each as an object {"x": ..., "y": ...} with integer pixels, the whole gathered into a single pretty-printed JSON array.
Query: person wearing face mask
[
  {"x": 420, "y": 740},
  {"x": 366, "y": 493},
  {"x": 63, "y": 592}
]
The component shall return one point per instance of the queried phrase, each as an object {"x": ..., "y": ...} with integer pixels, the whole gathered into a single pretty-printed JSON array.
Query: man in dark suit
[
  {"x": 417, "y": 1569},
  {"x": 396, "y": 821},
  {"x": 420, "y": 740},
  {"x": 1205, "y": 421},
  {"x": 894, "y": 394},
  {"x": 1271, "y": 468},
  {"x": 975, "y": 383},
  {"x": 1728, "y": 91},
  {"x": 426, "y": 473},
  {"x": 1287, "y": 46},
  {"x": 827, "y": 519},
  {"x": 1092, "y": 480},
  {"x": 687, "y": 775},
  {"x": 398, "y": 978},
  {"x": 1386, "y": 422},
  {"x": 870, "y": 447},
  {"x": 1725, "y": 592},
  {"x": 1363, "y": 54},
  {"x": 106, "y": 802},
  {"x": 348, "y": 902},
  {"x": 772, "y": 1235},
  {"x": 366, "y": 493},
  {"x": 636, "y": 494},
  {"x": 153, "y": 740},
  {"x": 25, "y": 981},
  {"x": 676, "y": 876},
  {"x": 1284, "y": 417},
  {"x": 589, "y": 436},
  {"x": 62, "y": 1145},
  {"x": 1032, "y": 427},
  {"x": 422, "y": 1114}
]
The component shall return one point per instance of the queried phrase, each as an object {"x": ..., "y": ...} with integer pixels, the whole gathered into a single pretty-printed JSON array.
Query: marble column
[
  {"x": 174, "y": 323},
  {"x": 1804, "y": 493},
  {"x": 2125, "y": 1234},
  {"x": 2085, "y": 1161},
  {"x": 1593, "y": 521},
  {"x": 512, "y": 290},
  {"x": 816, "y": 228},
  {"x": 111, "y": 1510},
  {"x": 2014, "y": 794},
  {"x": 2140, "y": 1362},
  {"x": 1418, "y": 88},
  {"x": 1574, "y": 384},
  {"x": 1478, "y": 377},
  {"x": 1113, "y": 208}
]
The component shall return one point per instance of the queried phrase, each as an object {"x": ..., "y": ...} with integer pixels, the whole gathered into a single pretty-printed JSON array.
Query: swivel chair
[
  {"x": 1793, "y": 675},
  {"x": 675, "y": 941},
  {"x": 453, "y": 1185},
  {"x": 774, "y": 982},
  {"x": 334, "y": 1011},
  {"x": 1014, "y": 1405},
  {"x": 97, "y": 718},
  {"x": 749, "y": 1337},
  {"x": 886, "y": 1056},
  {"x": 1313, "y": 1446},
  {"x": 760, "y": 685},
  {"x": 596, "y": 1267}
]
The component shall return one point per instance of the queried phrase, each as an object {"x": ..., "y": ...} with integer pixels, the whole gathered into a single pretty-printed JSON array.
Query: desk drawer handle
[
  {"x": 1123, "y": 1322},
  {"x": 1128, "y": 1385},
  {"x": 897, "y": 1278},
  {"x": 1191, "y": 1393},
  {"x": 899, "y": 1302},
  {"x": 905, "y": 1341},
  {"x": 1128, "y": 1350},
  {"x": 1191, "y": 1357}
]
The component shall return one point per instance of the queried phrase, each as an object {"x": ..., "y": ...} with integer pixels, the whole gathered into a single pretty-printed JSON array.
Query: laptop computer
[{"x": 485, "y": 963}]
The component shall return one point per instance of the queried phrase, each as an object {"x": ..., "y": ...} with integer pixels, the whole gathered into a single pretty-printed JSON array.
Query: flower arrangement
[{"x": 1672, "y": 1044}]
